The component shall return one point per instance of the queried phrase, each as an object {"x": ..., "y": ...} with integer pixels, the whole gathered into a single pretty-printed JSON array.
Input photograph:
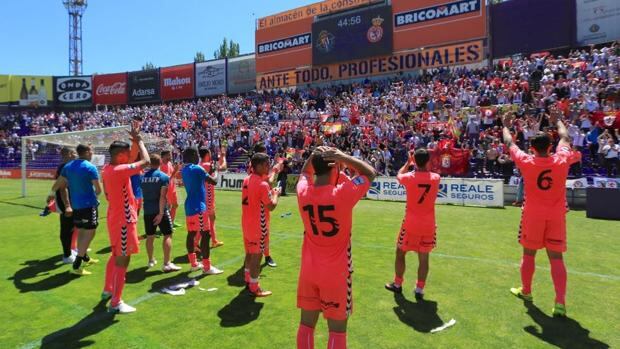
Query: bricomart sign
[{"x": 436, "y": 12}]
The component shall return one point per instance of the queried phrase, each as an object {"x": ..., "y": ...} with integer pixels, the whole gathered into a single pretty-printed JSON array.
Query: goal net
[{"x": 40, "y": 155}]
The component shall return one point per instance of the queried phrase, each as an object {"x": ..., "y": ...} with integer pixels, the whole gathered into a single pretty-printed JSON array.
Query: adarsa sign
[{"x": 465, "y": 53}]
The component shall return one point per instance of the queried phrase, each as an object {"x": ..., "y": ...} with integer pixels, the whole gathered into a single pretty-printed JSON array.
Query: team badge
[
  {"x": 375, "y": 33},
  {"x": 445, "y": 161},
  {"x": 326, "y": 41}
]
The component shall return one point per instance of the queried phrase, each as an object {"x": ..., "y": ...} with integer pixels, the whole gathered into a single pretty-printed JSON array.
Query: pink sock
[
  {"x": 110, "y": 268},
  {"x": 528, "y": 266},
  {"x": 119, "y": 284},
  {"x": 305, "y": 337},
  {"x": 74, "y": 238},
  {"x": 192, "y": 259},
  {"x": 337, "y": 340},
  {"x": 420, "y": 284},
  {"x": 206, "y": 264},
  {"x": 398, "y": 281},
  {"x": 246, "y": 275},
  {"x": 254, "y": 285},
  {"x": 558, "y": 274},
  {"x": 212, "y": 230}
]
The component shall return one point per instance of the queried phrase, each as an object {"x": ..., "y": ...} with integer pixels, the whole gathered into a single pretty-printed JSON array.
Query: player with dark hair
[
  {"x": 270, "y": 177},
  {"x": 257, "y": 200},
  {"x": 81, "y": 177},
  {"x": 171, "y": 171},
  {"x": 194, "y": 178},
  {"x": 326, "y": 207},
  {"x": 209, "y": 165},
  {"x": 122, "y": 216},
  {"x": 418, "y": 231},
  {"x": 543, "y": 220},
  {"x": 156, "y": 213}
]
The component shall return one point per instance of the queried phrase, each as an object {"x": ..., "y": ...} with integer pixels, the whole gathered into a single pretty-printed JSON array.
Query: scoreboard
[{"x": 352, "y": 35}]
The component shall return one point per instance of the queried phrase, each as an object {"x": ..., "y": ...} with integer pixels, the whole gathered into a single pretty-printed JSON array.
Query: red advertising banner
[
  {"x": 177, "y": 82},
  {"x": 110, "y": 88}
]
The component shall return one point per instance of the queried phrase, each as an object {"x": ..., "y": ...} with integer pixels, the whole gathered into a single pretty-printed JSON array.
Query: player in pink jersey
[
  {"x": 543, "y": 220},
  {"x": 257, "y": 199},
  {"x": 326, "y": 207},
  {"x": 171, "y": 171},
  {"x": 418, "y": 231},
  {"x": 209, "y": 166},
  {"x": 122, "y": 217}
]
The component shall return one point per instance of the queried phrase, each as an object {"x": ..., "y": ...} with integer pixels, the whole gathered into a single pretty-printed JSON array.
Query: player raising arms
[
  {"x": 418, "y": 229},
  {"x": 325, "y": 283},
  {"x": 194, "y": 178},
  {"x": 209, "y": 166},
  {"x": 257, "y": 199},
  {"x": 543, "y": 220},
  {"x": 80, "y": 176},
  {"x": 171, "y": 171},
  {"x": 122, "y": 216}
]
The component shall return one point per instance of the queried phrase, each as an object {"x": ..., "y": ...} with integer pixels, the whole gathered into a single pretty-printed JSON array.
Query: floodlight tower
[{"x": 76, "y": 9}]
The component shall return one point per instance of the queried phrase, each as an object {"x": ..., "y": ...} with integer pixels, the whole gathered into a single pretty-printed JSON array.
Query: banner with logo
[
  {"x": 144, "y": 86},
  {"x": 597, "y": 21},
  {"x": 456, "y": 191},
  {"x": 73, "y": 91},
  {"x": 241, "y": 74},
  {"x": 110, "y": 89},
  {"x": 211, "y": 78},
  {"x": 177, "y": 82},
  {"x": 577, "y": 183},
  {"x": 31, "y": 90},
  {"x": 612, "y": 183},
  {"x": 5, "y": 89},
  {"x": 465, "y": 53},
  {"x": 15, "y": 173},
  {"x": 230, "y": 181},
  {"x": 309, "y": 12}
]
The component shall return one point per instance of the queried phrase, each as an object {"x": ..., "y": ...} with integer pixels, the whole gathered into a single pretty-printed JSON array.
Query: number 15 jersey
[
  {"x": 327, "y": 213},
  {"x": 544, "y": 179}
]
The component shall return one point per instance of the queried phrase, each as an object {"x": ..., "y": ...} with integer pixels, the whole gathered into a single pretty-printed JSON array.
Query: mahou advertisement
[
  {"x": 110, "y": 89},
  {"x": 144, "y": 86},
  {"x": 73, "y": 91},
  {"x": 177, "y": 82}
]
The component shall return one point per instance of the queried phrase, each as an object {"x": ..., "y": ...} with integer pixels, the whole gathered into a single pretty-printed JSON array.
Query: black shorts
[
  {"x": 165, "y": 226},
  {"x": 86, "y": 218}
]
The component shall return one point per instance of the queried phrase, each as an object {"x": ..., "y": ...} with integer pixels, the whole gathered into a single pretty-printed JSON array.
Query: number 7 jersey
[{"x": 327, "y": 213}]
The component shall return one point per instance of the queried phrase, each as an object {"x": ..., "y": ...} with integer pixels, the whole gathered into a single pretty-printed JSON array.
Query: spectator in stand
[{"x": 611, "y": 151}]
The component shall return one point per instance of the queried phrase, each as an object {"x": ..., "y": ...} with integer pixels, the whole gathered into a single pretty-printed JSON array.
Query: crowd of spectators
[{"x": 380, "y": 121}]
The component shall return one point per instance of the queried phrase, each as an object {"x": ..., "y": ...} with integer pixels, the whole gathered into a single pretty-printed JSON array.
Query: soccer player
[
  {"x": 270, "y": 178},
  {"x": 418, "y": 231},
  {"x": 156, "y": 214},
  {"x": 325, "y": 282},
  {"x": 82, "y": 179},
  {"x": 257, "y": 200},
  {"x": 122, "y": 217},
  {"x": 209, "y": 166},
  {"x": 543, "y": 220},
  {"x": 137, "y": 190},
  {"x": 171, "y": 171},
  {"x": 194, "y": 178},
  {"x": 67, "y": 230}
]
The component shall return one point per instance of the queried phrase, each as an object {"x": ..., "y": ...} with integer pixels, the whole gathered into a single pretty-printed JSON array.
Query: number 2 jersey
[
  {"x": 327, "y": 213},
  {"x": 544, "y": 179}
]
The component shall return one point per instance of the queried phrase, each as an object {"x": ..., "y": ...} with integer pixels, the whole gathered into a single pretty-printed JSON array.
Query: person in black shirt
[
  {"x": 282, "y": 177},
  {"x": 66, "y": 223}
]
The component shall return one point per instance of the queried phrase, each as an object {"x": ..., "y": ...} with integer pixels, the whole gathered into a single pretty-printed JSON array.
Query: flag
[
  {"x": 453, "y": 128},
  {"x": 330, "y": 128}
]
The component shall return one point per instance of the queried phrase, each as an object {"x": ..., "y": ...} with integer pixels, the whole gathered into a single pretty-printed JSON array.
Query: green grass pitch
[{"x": 472, "y": 269}]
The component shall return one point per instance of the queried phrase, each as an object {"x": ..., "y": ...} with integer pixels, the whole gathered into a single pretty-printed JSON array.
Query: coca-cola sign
[
  {"x": 177, "y": 82},
  {"x": 144, "y": 86},
  {"x": 110, "y": 88},
  {"x": 73, "y": 91}
]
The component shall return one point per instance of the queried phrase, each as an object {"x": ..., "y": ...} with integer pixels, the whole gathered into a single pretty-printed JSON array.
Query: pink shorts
[
  {"x": 328, "y": 290},
  {"x": 538, "y": 231},
  {"x": 417, "y": 238},
  {"x": 198, "y": 222},
  {"x": 255, "y": 241},
  {"x": 123, "y": 238}
]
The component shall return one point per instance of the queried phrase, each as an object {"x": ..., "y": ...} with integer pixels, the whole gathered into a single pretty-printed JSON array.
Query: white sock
[{"x": 419, "y": 290}]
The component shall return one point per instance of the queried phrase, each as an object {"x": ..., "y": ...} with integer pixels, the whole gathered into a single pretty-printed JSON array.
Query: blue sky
[{"x": 122, "y": 35}]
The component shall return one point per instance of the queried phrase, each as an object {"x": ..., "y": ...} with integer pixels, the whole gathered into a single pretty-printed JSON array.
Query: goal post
[{"x": 40, "y": 154}]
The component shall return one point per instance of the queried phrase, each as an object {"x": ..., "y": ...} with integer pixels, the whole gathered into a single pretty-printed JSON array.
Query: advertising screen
[
  {"x": 352, "y": 35},
  {"x": 31, "y": 91},
  {"x": 211, "y": 78},
  {"x": 73, "y": 91},
  {"x": 110, "y": 88},
  {"x": 144, "y": 86},
  {"x": 177, "y": 82}
]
